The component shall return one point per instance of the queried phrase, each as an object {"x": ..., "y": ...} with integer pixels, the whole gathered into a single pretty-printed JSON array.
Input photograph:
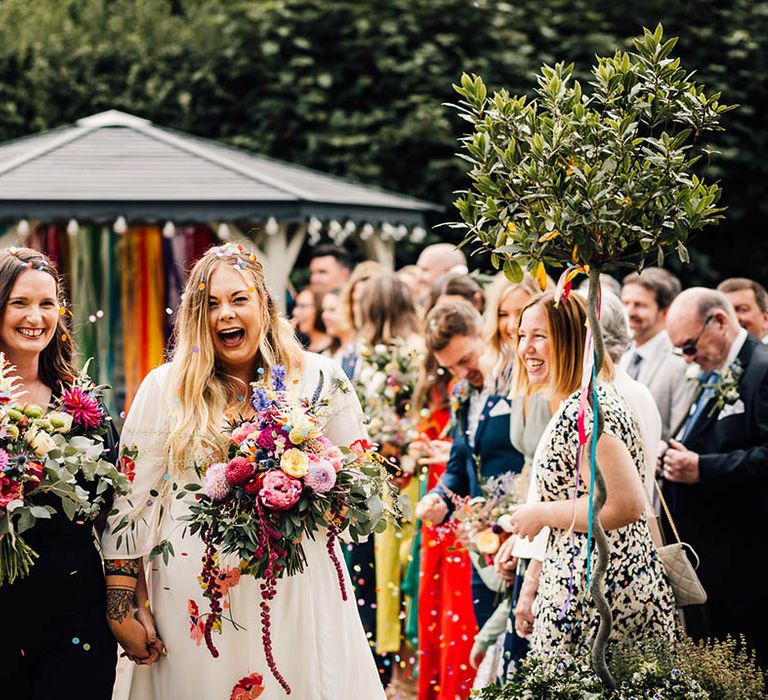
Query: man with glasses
[
  {"x": 716, "y": 471},
  {"x": 650, "y": 359}
]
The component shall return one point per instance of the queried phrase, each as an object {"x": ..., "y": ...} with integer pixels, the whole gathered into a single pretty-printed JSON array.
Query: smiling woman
[
  {"x": 57, "y": 610},
  {"x": 228, "y": 333}
]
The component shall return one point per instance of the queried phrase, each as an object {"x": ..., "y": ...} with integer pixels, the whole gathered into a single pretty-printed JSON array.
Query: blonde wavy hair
[
  {"x": 498, "y": 354},
  {"x": 204, "y": 389}
]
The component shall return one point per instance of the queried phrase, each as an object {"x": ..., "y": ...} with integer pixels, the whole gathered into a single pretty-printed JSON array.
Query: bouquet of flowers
[
  {"x": 385, "y": 383},
  {"x": 284, "y": 481},
  {"x": 59, "y": 452},
  {"x": 485, "y": 518}
]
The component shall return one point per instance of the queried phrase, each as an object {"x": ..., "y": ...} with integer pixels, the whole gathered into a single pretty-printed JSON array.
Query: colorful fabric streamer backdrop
[{"x": 123, "y": 291}]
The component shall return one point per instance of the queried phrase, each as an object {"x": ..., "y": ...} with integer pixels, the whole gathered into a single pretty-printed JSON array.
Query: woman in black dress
[{"x": 55, "y": 640}]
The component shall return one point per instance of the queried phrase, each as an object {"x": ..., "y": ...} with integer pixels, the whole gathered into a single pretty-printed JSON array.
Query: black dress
[{"x": 55, "y": 641}]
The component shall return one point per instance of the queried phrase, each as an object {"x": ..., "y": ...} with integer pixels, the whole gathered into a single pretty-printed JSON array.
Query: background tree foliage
[{"x": 356, "y": 87}]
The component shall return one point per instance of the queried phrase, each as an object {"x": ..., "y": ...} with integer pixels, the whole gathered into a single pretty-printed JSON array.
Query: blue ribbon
[{"x": 592, "y": 465}]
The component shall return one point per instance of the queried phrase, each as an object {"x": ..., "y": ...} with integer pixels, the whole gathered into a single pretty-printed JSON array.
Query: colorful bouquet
[
  {"x": 485, "y": 518},
  {"x": 59, "y": 452},
  {"x": 385, "y": 383},
  {"x": 284, "y": 481}
]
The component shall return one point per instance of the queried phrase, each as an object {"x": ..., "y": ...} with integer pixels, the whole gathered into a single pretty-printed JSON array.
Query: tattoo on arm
[
  {"x": 122, "y": 567},
  {"x": 119, "y": 603}
]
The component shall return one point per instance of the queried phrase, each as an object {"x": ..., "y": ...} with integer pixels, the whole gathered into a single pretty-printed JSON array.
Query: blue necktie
[
  {"x": 633, "y": 369},
  {"x": 707, "y": 381}
]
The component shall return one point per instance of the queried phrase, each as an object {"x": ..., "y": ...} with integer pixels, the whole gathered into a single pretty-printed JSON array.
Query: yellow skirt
[{"x": 392, "y": 551}]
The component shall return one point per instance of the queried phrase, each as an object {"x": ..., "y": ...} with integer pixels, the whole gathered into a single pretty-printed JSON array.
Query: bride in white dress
[{"x": 228, "y": 327}]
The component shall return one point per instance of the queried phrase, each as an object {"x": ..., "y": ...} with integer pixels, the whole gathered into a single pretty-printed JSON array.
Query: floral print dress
[{"x": 639, "y": 595}]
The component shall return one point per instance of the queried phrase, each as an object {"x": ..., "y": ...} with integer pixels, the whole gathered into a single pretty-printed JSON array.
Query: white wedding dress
[{"x": 317, "y": 638}]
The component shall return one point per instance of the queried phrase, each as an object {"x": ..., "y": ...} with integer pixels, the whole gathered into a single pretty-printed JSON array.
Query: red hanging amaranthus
[{"x": 210, "y": 578}]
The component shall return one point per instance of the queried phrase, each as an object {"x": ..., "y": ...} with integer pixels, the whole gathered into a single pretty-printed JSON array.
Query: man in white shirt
[
  {"x": 750, "y": 302},
  {"x": 650, "y": 358}
]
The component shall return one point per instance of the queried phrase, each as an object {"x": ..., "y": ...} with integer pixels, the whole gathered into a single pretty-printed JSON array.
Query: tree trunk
[{"x": 597, "y": 587}]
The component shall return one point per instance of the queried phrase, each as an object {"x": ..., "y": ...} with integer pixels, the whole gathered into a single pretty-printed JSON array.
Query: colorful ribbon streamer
[{"x": 589, "y": 373}]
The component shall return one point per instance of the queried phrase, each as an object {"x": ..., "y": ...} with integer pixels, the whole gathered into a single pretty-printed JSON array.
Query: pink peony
[
  {"x": 280, "y": 491},
  {"x": 321, "y": 476},
  {"x": 10, "y": 490},
  {"x": 216, "y": 486},
  {"x": 242, "y": 432},
  {"x": 84, "y": 408},
  {"x": 238, "y": 471},
  {"x": 5, "y": 459}
]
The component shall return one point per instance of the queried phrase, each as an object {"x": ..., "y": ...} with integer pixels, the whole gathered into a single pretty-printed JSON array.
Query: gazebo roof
[{"x": 116, "y": 164}]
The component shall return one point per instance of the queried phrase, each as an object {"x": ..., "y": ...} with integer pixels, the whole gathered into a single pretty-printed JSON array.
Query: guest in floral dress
[{"x": 550, "y": 351}]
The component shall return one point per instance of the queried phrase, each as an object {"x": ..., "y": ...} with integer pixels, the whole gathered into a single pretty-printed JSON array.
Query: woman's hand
[
  {"x": 504, "y": 564},
  {"x": 476, "y": 656},
  {"x": 431, "y": 509},
  {"x": 147, "y": 621},
  {"x": 528, "y": 520},
  {"x": 137, "y": 645},
  {"x": 524, "y": 609}
]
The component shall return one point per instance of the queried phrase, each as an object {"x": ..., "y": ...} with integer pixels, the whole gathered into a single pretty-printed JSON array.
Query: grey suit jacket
[{"x": 664, "y": 373}]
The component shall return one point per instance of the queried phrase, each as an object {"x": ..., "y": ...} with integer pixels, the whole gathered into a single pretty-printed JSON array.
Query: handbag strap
[{"x": 666, "y": 511}]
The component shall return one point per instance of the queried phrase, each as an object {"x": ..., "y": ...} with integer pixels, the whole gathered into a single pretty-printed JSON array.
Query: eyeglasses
[{"x": 689, "y": 348}]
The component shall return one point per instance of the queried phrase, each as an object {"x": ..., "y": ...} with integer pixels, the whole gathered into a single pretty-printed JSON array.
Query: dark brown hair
[
  {"x": 317, "y": 301},
  {"x": 738, "y": 284},
  {"x": 458, "y": 285},
  {"x": 387, "y": 309},
  {"x": 56, "y": 360},
  {"x": 660, "y": 282}
]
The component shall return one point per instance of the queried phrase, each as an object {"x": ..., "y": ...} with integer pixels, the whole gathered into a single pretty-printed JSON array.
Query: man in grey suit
[{"x": 650, "y": 358}]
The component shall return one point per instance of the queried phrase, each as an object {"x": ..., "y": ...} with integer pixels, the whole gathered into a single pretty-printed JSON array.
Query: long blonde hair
[
  {"x": 204, "y": 389},
  {"x": 499, "y": 355}
]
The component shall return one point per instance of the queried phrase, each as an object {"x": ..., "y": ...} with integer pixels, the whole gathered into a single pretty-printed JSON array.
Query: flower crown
[{"x": 234, "y": 250}]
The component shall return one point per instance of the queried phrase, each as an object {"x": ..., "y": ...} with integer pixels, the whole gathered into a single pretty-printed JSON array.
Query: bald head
[
  {"x": 702, "y": 323},
  {"x": 434, "y": 261}
]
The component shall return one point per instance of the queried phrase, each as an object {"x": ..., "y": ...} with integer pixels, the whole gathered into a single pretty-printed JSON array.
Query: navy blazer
[{"x": 492, "y": 454}]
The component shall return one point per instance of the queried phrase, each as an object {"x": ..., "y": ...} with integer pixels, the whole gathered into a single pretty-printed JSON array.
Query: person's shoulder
[
  {"x": 313, "y": 365},
  {"x": 759, "y": 353},
  {"x": 158, "y": 376},
  {"x": 313, "y": 361}
]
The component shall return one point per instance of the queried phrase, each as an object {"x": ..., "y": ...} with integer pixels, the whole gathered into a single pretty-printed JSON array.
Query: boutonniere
[
  {"x": 459, "y": 396},
  {"x": 693, "y": 372},
  {"x": 726, "y": 387}
]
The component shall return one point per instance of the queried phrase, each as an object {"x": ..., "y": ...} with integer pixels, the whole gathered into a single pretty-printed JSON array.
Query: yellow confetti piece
[
  {"x": 511, "y": 227},
  {"x": 549, "y": 236},
  {"x": 201, "y": 286},
  {"x": 541, "y": 276},
  {"x": 575, "y": 254}
]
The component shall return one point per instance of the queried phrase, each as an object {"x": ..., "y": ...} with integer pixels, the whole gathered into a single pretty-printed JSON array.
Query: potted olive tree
[{"x": 597, "y": 179}]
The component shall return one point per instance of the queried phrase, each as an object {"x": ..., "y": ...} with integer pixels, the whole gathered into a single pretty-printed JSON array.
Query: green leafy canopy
[{"x": 604, "y": 178}]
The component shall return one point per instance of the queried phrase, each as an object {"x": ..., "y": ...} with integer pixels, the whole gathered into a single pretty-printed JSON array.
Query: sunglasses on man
[{"x": 689, "y": 347}]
